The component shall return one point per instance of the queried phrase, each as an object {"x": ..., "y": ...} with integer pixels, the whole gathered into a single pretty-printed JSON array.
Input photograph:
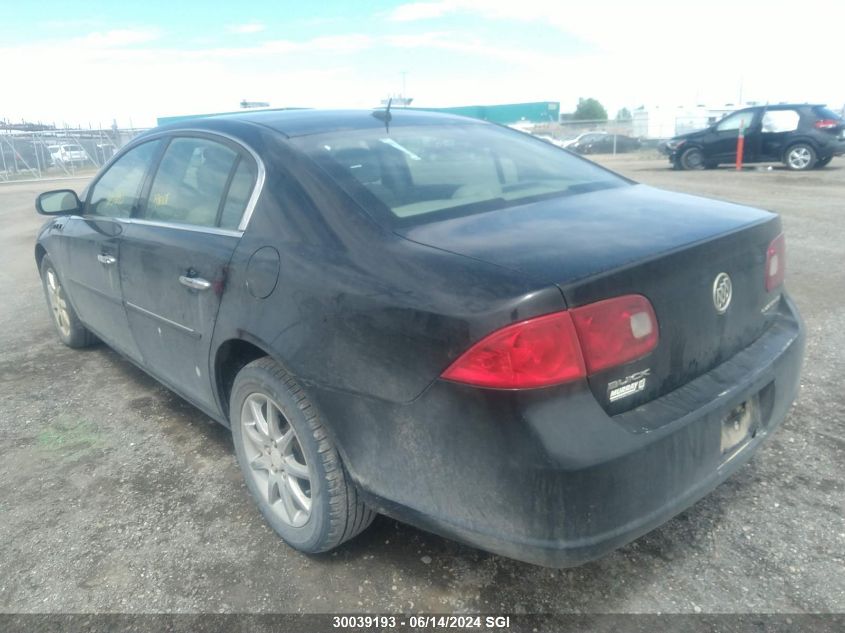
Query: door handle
[
  {"x": 106, "y": 259},
  {"x": 197, "y": 283}
]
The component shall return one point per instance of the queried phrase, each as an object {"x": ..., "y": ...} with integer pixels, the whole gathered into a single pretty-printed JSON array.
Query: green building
[{"x": 508, "y": 113}]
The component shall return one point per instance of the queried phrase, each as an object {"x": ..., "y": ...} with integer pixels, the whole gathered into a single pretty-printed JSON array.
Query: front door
[
  {"x": 175, "y": 253},
  {"x": 91, "y": 245},
  {"x": 723, "y": 145}
]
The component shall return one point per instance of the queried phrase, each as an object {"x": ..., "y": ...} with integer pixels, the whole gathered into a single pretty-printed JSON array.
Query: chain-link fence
[
  {"x": 49, "y": 153},
  {"x": 594, "y": 136}
]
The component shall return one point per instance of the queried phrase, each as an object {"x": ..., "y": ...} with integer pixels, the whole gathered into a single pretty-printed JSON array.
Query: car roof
[
  {"x": 305, "y": 122},
  {"x": 784, "y": 106}
]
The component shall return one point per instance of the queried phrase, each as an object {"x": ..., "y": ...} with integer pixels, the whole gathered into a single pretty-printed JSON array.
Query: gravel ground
[{"x": 118, "y": 496}]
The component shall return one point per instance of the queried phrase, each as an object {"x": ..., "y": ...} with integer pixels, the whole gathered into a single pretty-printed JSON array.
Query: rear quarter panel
[{"x": 357, "y": 308}]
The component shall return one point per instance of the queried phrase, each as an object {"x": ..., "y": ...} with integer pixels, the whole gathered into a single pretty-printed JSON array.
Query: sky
[{"x": 82, "y": 62}]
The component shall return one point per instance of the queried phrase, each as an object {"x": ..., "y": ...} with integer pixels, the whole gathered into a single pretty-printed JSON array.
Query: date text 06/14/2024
[{"x": 422, "y": 621}]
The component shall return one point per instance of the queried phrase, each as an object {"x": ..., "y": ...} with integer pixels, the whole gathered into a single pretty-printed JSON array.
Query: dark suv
[{"x": 801, "y": 136}]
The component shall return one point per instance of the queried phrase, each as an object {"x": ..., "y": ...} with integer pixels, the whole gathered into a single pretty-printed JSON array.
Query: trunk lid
[{"x": 635, "y": 240}]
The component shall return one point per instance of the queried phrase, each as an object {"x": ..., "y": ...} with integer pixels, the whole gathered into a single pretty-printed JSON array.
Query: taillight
[
  {"x": 826, "y": 124},
  {"x": 560, "y": 347},
  {"x": 615, "y": 331},
  {"x": 535, "y": 353},
  {"x": 775, "y": 262}
]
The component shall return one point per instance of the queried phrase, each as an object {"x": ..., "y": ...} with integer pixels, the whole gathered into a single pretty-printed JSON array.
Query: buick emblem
[{"x": 722, "y": 291}]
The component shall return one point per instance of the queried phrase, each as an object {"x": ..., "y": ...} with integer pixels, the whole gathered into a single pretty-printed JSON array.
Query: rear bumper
[
  {"x": 835, "y": 147},
  {"x": 547, "y": 476}
]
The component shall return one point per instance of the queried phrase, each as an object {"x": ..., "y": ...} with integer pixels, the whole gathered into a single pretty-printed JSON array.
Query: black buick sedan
[{"x": 435, "y": 318}]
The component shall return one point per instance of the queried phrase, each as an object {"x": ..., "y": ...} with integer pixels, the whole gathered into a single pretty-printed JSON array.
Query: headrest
[{"x": 361, "y": 163}]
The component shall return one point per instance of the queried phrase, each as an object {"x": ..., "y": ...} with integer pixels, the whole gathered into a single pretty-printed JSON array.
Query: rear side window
[
  {"x": 117, "y": 192},
  {"x": 190, "y": 183},
  {"x": 780, "y": 121},
  {"x": 239, "y": 193},
  {"x": 202, "y": 183}
]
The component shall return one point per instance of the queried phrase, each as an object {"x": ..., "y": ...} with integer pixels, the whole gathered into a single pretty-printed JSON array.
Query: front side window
[
  {"x": 117, "y": 192},
  {"x": 190, "y": 183},
  {"x": 419, "y": 170},
  {"x": 735, "y": 121}
]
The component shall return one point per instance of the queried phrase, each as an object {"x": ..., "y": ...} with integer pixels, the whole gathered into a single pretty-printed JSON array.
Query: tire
[
  {"x": 68, "y": 326},
  {"x": 293, "y": 470},
  {"x": 692, "y": 158},
  {"x": 823, "y": 162},
  {"x": 800, "y": 157}
]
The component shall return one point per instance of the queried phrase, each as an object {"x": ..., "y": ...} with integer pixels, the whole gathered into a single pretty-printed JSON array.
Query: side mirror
[{"x": 58, "y": 202}]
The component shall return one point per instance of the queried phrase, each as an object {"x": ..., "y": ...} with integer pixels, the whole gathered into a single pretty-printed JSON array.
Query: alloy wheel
[
  {"x": 58, "y": 304},
  {"x": 276, "y": 461},
  {"x": 799, "y": 157}
]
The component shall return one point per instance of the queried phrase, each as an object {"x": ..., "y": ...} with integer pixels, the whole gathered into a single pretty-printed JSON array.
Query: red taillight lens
[
  {"x": 560, "y": 347},
  {"x": 775, "y": 262},
  {"x": 826, "y": 124},
  {"x": 615, "y": 331},
  {"x": 535, "y": 353}
]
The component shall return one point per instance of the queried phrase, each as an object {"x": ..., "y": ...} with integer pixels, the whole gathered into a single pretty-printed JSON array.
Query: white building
[{"x": 659, "y": 122}]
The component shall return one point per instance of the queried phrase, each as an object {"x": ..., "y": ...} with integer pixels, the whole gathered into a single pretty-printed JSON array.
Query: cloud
[
  {"x": 461, "y": 43},
  {"x": 415, "y": 11},
  {"x": 502, "y": 59},
  {"x": 116, "y": 38},
  {"x": 251, "y": 27},
  {"x": 349, "y": 43}
]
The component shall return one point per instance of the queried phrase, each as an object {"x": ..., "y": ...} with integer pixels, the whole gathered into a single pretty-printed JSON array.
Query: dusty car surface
[
  {"x": 801, "y": 136},
  {"x": 435, "y": 318}
]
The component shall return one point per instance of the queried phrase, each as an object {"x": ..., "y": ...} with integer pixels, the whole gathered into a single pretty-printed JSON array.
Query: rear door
[
  {"x": 776, "y": 130},
  {"x": 175, "y": 253},
  {"x": 91, "y": 247}
]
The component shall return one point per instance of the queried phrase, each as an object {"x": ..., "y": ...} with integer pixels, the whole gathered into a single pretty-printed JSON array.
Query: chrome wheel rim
[
  {"x": 799, "y": 157},
  {"x": 58, "y": 305},
  {"x": 275, "y": 460}
]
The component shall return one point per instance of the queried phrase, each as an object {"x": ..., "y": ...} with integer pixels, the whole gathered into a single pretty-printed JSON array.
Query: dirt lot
[{"x": 116, "y": 495}]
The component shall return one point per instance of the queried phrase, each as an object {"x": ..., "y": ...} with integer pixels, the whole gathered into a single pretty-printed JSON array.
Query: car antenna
[{"x": 385, "y": 116}]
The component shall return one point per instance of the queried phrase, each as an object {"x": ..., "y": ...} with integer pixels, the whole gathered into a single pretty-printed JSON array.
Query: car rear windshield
[
  {"x": 418, "y": 171},
  {"x": 826, "y": 113}
]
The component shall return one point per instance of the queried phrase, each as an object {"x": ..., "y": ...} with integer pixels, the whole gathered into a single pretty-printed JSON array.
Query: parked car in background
[
  {"x": 550, "y": 139},
  {"x": 584, "y": 137},
  {"x": 602, "y": 143},
  {"x": 67, "y": 154},
  {"x": 436, "y": 318},
  {"x": 801, "y": 136}
]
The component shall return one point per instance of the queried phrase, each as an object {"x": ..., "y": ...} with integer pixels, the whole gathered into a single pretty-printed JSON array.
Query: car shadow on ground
[
  {"x": 761, "y": 167},
  {"x": 166, "y": 407},
  {"x": 425, "y": 559}
]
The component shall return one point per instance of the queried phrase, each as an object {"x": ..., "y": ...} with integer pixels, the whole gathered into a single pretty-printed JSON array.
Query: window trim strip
[{"x": 169, "y": 135}]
